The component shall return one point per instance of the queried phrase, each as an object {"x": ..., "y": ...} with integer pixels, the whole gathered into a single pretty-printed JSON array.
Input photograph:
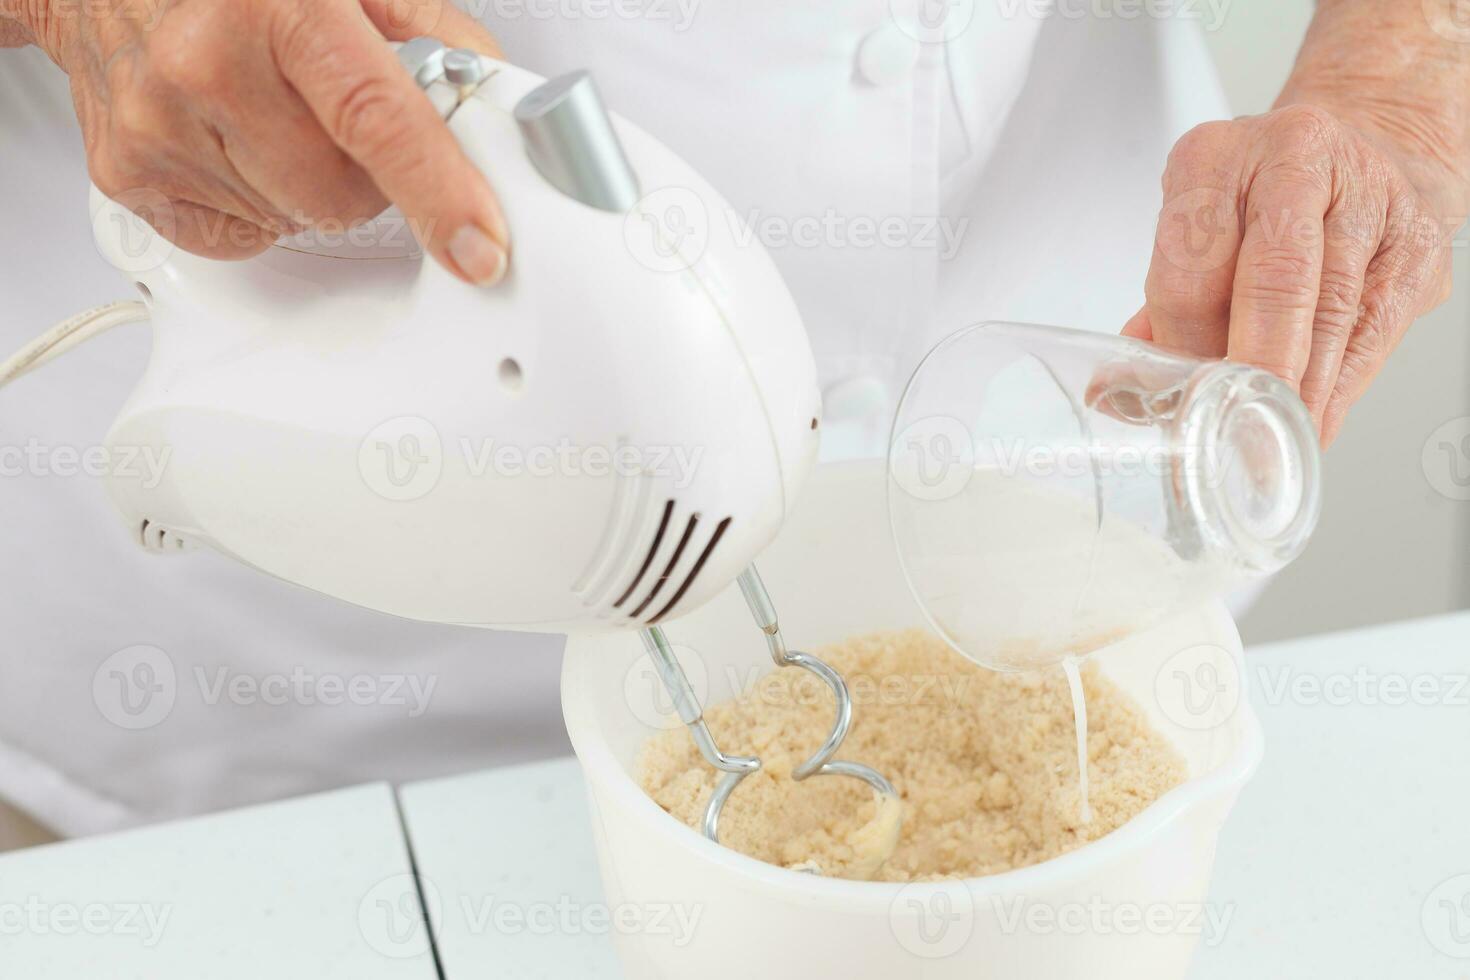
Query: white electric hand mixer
[{"x": 310, "y": 401}]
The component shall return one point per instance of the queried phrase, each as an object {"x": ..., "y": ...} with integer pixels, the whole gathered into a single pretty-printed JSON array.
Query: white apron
[{"x": 904, "y": 190}]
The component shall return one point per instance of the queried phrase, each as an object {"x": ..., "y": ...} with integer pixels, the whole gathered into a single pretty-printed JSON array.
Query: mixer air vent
[
  {"x": 686, "y": 537},
  {"x": 709, "y": 548},
  {"x": 157, "y": 538},
  {"x": 658, "y": 539},
  {"x": 659, "y": 583}
]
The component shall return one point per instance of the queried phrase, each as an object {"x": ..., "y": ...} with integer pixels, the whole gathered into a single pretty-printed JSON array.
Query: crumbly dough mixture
[{"x": 985, "y": 765}]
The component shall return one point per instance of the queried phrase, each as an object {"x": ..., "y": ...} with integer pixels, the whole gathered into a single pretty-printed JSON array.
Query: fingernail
[{"x": 479, "y": 258}]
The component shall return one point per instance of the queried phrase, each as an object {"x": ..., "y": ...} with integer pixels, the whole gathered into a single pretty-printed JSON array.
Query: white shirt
[{"x": 904, "y": 190}]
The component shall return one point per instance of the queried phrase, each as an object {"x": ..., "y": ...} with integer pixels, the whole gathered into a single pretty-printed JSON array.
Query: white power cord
[{"x": 68, "y": 334}]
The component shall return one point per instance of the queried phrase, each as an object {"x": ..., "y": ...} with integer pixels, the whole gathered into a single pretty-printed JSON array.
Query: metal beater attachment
[{"x": 737, "y": 767}]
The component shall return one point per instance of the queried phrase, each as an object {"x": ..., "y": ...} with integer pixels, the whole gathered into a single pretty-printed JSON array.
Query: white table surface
[
  {"x": 513, "y": 842},
  {"x": 1347, "y": 857},
  {"x": 1359, "y": 813},
  {"x": 1357, "y": 816},
  {"x": 318, "y": 888}
]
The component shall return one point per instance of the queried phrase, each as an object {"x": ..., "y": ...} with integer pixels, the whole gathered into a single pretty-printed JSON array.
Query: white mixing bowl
[{"x": 1129, "y": 905}]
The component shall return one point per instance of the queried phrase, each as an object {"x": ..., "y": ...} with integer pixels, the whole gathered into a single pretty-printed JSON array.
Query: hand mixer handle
[
  {"x": 554, "y": 133},
  {"x": 561, "y": 131},
  {"x": 310, "y": 359},
  {"x": 568, "y": 134}
]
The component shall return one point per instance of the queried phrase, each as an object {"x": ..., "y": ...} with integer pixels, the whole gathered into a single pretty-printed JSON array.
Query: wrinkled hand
[
  {"x": 258, "y": 118},
  {"x": 1297, "y": 243}
]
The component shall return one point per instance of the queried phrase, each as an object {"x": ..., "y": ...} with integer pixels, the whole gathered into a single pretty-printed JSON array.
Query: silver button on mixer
[
  {"x": 423, "y": 57},
  {"x": 570, "y": 139},
  {"x": 463, "y": 67}
]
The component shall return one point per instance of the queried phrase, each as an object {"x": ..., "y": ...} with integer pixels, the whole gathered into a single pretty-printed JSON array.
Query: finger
[
  {"x": 376, "y": 113},
  {"x": 309, "y": 180},
  {"x": 1137, "y": 388},
  {"x": 1351, "y": 237},
  {"x": 1135, "y": 391},
  {"x": 202, "y": 206},
  {"x": 1403, "y": 278},
  {"x": 1195, "y": 246},
  {"x": 1138, "y": 326},
  {"x": 213, "y": 233},
  {"x": 403, "y": 20},
  {"x": 153, "y": 141},
  {"x": 273, "y": 140},
  {"x": 1278, "y": 274},
  {"x": 249, "y": 145}
]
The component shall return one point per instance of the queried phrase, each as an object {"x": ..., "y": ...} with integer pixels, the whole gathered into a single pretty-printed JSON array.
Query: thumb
[
  {"x": 375, "y": 112},
  {"x": 403, "y": 20}
]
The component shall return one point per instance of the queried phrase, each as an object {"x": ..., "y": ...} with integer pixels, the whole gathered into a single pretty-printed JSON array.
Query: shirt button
[{"x": 887, "y": 55}]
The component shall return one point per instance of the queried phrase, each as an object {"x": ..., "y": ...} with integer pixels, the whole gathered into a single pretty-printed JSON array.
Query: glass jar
[{"x": 1052, "y": 491}]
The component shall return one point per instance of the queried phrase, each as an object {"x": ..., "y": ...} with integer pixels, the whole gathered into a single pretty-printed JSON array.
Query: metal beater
[{"x": 736, "y": 767}]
